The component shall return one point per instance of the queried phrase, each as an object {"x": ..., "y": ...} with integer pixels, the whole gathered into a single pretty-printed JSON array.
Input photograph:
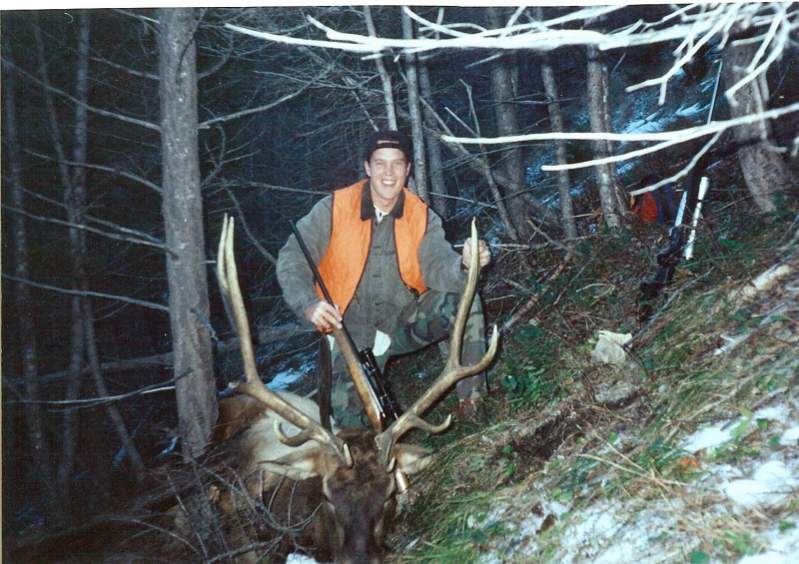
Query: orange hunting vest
[{"x": 344, "y": 261}]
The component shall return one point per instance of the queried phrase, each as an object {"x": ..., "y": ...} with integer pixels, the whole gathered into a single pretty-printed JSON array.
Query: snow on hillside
[{"x": 653, "y": 530}]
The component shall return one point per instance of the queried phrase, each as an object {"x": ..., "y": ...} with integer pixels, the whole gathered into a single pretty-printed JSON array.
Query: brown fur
[{"x": 334, "y": 511}]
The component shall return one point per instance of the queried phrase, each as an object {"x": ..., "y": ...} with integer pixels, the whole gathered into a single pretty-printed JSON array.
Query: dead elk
[{"x": 352, "y": 472}]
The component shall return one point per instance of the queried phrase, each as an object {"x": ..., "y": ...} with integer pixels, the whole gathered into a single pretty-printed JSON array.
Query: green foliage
[
  {"x": 699, "y": 557},
  {"x": 743, "y": 544},
  {"x": 659, "y": 455},
  {"x": 530, "y": 376},
  {"x": 531, "y": 386}
]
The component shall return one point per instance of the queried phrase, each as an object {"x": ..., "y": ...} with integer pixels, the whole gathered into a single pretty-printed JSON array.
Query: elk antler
[
  {"x": 453, "y": 370},
  {"x": 227, "y": 277}
]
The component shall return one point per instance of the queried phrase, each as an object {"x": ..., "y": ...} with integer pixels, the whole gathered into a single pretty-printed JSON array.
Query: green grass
[
  {"x": 541, "y": 366},
  {"x": 456, "y": 531}
]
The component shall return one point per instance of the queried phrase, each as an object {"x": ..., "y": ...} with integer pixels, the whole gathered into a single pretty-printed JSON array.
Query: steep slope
[{"x": 685, "y": 449}]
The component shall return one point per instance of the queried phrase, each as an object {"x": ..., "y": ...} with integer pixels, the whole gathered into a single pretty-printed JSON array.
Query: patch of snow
[
  {"x": 783, "y": 547},
  {"x": 720, "y": 433},
  {"x": 647, "y": 126},
  {"x": 709, "y": 437},
  {"x": 555, "y": 507},
  {"x": 169, "y": 449},
  {"x": 282, "y": 380},
  {"x": 790, "y": 437},
  {"x": 719, "y": 473},
  {"x": 610, "y": 533},
  {"x": 648, "y": 531},
  {"x": 297, "y": 558},
  {"x": 770, "y": 485},
  {"x": 773, "y": 413}
]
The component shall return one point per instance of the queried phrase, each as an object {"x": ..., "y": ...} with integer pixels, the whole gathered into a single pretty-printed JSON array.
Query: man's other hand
[
  {"x": 482, "y": 249},
  {"x": 323, "y": 316}
]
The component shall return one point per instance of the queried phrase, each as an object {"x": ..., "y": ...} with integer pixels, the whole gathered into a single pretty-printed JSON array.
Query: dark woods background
[{"x": 92, "y": 192}]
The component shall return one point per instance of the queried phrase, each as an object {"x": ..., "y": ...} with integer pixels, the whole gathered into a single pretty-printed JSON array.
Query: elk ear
[{"x": 411, "y": 458}]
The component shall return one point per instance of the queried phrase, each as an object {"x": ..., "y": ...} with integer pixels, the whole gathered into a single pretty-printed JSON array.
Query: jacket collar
[{"x": 368, "y": 208}]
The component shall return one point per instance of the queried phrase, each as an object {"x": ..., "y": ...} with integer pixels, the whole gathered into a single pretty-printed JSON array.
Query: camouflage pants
[{"x": 425, "y": 321}]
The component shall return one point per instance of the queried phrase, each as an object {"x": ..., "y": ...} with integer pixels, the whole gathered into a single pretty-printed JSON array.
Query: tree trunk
[
  {"x": 23, "y": 304},
  {"x": 556, "y": 119},
  {"x": 69, "y": 431},
  {"x": 415, "y": 111},
  {"x": 385, "y": 79},
  {"x": 508, "y": 124},
  {"x": 183, "y": 224},
  {"x": 597, "y": 112},
  {"x": 76, "y": 209},
  {"x": 764, "y": 170},
  {"x": 438, "y": 186}
]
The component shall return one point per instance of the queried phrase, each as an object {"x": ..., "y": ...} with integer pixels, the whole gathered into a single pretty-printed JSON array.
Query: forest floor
[{"x": 680, "y": 447}]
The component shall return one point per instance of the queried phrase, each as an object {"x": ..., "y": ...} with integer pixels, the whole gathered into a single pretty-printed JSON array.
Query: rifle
[
  {"x": 374, "y": 390},
  {"x": 680, "y": 245},
  {"x": 681, "y": 238}
]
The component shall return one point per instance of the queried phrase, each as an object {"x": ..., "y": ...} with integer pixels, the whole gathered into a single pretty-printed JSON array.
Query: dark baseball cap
[{"x": 388, "y": 139}]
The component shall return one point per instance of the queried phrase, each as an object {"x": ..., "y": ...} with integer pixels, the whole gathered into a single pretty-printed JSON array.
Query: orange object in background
[{"x": 646, "y": 208}]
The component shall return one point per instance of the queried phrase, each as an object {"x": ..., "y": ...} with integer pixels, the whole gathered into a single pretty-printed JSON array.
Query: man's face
[{"x": 388, "y": 170}]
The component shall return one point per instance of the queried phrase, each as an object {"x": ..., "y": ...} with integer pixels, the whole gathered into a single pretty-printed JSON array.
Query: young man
[{"x": 394, "y": 278}]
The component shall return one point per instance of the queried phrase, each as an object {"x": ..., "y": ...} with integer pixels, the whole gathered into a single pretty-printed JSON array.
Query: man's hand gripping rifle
[{"x": 373, "y": 389}]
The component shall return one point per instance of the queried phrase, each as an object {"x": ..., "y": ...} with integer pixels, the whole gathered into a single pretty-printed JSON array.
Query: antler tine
[
  {"x": 453, "y": 370},
  {"x": 227, "y": 276}
]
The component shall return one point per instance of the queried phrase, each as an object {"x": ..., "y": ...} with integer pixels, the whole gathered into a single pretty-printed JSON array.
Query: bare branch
[
  {"x": 98, "y": 221},
  {"x": 130, "y": 176},
  {"x": 266, "y": 254},
  {"x": 100, "y": 400},
  {"x": 150, "y": 305},
  {"x": 157, "y": 245},
  {"x": 99, "y": 111},
  {"x": 123, "y": 68},
  {"x": 242, "y": 113}
]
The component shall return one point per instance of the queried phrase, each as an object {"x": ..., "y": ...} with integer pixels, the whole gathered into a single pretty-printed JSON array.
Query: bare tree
[
  {"x": 75, "y": 202},
  {"x": 695, "y": 25},
  {"x": 415, "y": 111},
  {"x": 70, "y": 422},
  {"x": 438, "y": 186},
  {"x": 556, "y": 120},
  {"x": 597, "y": 112},
  {"x": 764, "y": 170},
  {"x": 507, "y": 122},
  {"x": 385, "y": 78},
  {"x": 82, "y": 337},
  {"x": 23, "y": 303},
  {"x": 183, "y": 222}
]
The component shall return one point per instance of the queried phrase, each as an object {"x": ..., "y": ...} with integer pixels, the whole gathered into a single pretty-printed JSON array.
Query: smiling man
[{"x": 394, "y": 278}]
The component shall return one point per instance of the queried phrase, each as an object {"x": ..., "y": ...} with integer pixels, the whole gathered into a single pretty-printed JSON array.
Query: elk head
[{"x": 356, "y": 466}]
